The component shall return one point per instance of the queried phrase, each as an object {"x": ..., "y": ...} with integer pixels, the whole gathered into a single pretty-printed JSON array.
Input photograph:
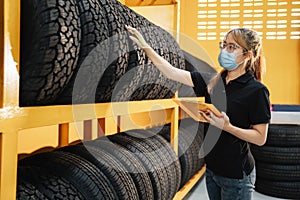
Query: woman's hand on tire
[{"x": 137, "y": 37}]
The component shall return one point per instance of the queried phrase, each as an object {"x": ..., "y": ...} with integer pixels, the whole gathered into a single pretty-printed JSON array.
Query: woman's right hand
[{"x": 137, "y": 37}]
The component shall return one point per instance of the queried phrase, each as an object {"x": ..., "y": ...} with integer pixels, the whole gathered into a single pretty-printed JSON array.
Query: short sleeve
[
  {"x": 200, "y": 81},
  {"x": 260, "y": 107}
]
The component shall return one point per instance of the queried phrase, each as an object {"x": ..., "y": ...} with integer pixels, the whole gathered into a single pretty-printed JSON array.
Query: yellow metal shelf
[{"x": 112, "y": 117}]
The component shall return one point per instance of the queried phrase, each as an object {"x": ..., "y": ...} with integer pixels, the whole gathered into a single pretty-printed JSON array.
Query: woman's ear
[{"x": 249, "y": 54}]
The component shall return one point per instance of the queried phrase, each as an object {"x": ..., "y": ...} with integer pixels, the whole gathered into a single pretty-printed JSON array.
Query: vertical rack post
[
  {"x": 101, "y": 127},
  {"x": 63, "y": 135},
  {"x": 87, "y": 130},
  {"x": 8, "y": 164},
  {"x": 174, "y": 126},
  {"x": 1, "y": 52}
]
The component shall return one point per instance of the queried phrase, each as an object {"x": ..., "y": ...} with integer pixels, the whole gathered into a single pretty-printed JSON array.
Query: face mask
[{"x": 227, "y": 60}]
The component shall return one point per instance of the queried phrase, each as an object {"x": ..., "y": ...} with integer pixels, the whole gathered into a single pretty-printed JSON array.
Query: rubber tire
[
  {"x": 93, "y": 55},
  {"x": 122, "y": 183},
  {"x": 83, "y": 175},
  {"x": 165, "y": 152},
  {"x": 276, "y": 155},
  {"x": 117, "y": 62},
  {"x": 189, "y": 143},
  {"x": 134, "y": 87},
  {"x": 133, "y": 166},
  {"x": 35, "y": 182},
  {"x": 272, "y": 172},
  {"x": 50, "y": 46},
  {"x": 287, "y": 190},
  {"x": 283, "y": 135},
  {"x": 150, "y": 161}
]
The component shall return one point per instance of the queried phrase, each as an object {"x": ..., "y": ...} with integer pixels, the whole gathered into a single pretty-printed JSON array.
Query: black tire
[
  {"x": 150, "y": 73},
  {"x": 276, "y": 155},
  {"x": 178, "y": 61},
  {"x": 283, "y": 135},
  {"x": 287, "y": 190},
  {"x": 93, "y": 55},
  {"x": 189, "y": 143},
  {"x": 151, "y": 84},
  {"x": 193, "y": 132},
  {"x": 138, "y": 68},
  {"x": 104, "y": 56},
  {"x": 37, "y": 183},
  {"x": 117, "y": 62},
  {"x": 274, "y": 172},
  {"x": 133, "y": 166},
  {"x": 27, "y": 191},
  {"x": 195, "y": 145},
  {"x": 184, "y": 155},
  {"x": 121, "y": 181},
  {"x": 50, "y": 44},
  {"x": 164, "y": 151},
  {"x": 150, "y": 161},
  {"x": 79, "y": 172}
]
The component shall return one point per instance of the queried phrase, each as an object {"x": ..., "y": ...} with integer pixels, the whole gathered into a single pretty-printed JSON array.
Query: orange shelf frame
[{"x": 111, "y": 117}]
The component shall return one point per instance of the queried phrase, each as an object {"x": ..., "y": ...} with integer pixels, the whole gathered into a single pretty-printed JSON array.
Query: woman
[{"x": 230, "y": 167}]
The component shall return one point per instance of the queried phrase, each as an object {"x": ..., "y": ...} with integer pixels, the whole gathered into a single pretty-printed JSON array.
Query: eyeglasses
[{"x": 230, "y": 46}]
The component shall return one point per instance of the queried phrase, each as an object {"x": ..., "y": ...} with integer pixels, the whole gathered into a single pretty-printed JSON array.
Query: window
[{"x": 272, "y": 19}]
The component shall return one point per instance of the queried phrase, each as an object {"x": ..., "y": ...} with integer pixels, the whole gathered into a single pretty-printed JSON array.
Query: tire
[
  {"x": 132, "y": 165},
  {"x": 50, "y": 46},
  {"x": 37, "y": 183},
  {"x": 93, "y": 55},
  {"x": 177, "y": 60},
  {"x": 195, "y": 142},
  {"x": 27, "y": 191},
  {"x": 149, "y": 83},
  {"x": 276, "y": 155},
  {"x": 122, "y": 183},
  {"x": 81, "y": 174},
  {"x": 164, "y": 151},
  {"x": 189, "y": 143},
  {"x": 287, "y": 190},
  {"x": 150, "y": 74},
  {"x": 117, "y": 62},
  {"x": 283, "y": 135},
  {"x": 274, "y": 172},
  {"x": 150, "y": 161}
]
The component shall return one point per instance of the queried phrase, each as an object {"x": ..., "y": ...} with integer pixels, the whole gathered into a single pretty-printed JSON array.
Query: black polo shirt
[{"x": 246, "y": 102}]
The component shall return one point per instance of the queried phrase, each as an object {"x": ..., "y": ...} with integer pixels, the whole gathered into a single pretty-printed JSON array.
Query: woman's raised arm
[{"x": 162, "y": 65}]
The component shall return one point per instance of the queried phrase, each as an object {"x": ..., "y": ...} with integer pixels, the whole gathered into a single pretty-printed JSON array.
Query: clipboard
[{"x": 192, "y": 107}]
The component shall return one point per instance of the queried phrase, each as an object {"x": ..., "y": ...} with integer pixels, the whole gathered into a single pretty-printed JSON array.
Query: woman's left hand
[{"x": 220, "y": 122}]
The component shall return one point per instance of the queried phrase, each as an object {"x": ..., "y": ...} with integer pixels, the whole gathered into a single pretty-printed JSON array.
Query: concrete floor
[{"x": 199, "y": 193}]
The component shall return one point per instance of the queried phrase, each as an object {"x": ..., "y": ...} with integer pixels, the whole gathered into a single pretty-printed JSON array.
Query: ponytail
[{"x": 259, "y": 66}]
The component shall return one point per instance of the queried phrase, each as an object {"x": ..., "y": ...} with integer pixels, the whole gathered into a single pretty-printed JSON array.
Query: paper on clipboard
[{"x": 192, "y": 108}]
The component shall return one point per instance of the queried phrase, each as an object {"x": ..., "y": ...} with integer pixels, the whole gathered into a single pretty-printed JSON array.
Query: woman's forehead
[{"x": 229, "y": 39}]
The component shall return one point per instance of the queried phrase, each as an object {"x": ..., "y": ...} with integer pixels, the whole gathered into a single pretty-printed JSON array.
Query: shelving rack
[{"x": 112, "y": 117}]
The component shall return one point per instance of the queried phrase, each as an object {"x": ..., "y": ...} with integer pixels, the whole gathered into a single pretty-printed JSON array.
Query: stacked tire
[
  {"x": 78, "y": 51},
  {"x": 190, "y": 139},
  {"x": 138, "y": 164},
  {"x": 278, "y": 162}
]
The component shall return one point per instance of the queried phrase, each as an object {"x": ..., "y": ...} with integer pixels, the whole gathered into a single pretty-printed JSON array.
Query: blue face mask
[{"x": 227, "y": 60}]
